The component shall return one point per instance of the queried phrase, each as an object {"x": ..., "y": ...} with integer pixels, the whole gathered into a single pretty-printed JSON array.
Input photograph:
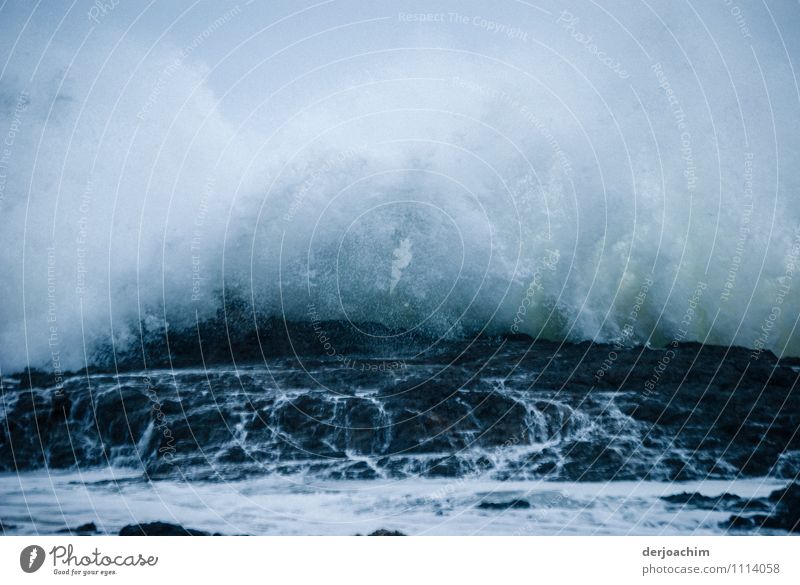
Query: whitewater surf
[{"x": 335, "y": 268}]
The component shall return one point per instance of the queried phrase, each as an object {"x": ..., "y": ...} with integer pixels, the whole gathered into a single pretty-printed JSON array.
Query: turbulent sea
[
  {"x": 331, "y": 267},
  {"x": 498, "y": 436}
]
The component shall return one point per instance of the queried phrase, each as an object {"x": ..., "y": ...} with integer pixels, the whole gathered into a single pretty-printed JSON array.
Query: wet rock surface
[
  {"x": 784, "y": 506},
  {"x": 159, "y": 529},
  {"x": 721, "y": 502},
  {"x": 503, "y": 409},
  {"x": 83, "y": 530},
  {"x": 509, "y": 505}
]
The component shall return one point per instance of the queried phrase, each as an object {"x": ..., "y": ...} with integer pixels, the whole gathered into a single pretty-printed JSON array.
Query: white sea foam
[
  {"x": 277, "y": 506},
  {"x": 483, "y": 155}
]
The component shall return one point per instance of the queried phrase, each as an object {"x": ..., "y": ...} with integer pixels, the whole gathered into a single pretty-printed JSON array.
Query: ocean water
[
  {"x": 44, "y": 503},
  {"x": 331, "y": 267},
  {"x": 523, "y": 441},
  {"x": 464, "y": 183}
]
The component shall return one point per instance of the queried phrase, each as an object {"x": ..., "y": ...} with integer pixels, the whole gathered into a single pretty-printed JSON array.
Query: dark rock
[
  {"x": 785, "y": 512},
  {"x": 722, "y": 501},
  {"x": 737, "y": 522},
  {"x": 590, "y": 460},
  {"x": 306, "y": 418},
  {"x": 385, "y": 532},
  {"x": 358, "y": 470},
  {"x": 450, "y": 466},
  {"x": 159, "y": 529},
  {"x": 83, "y": 529},
  {"x": 33, "y": 378},
  {"x": 510, "y": 505},
  {"x": 714, "y": 413},
  {"x": 363, "y": 422},
  {"x": 234, "y": 454},
  {"x": 787, "y": 508}
]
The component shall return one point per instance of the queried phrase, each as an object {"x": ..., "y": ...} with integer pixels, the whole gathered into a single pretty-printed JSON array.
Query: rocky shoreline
[{"x": 779, "y": 511}]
